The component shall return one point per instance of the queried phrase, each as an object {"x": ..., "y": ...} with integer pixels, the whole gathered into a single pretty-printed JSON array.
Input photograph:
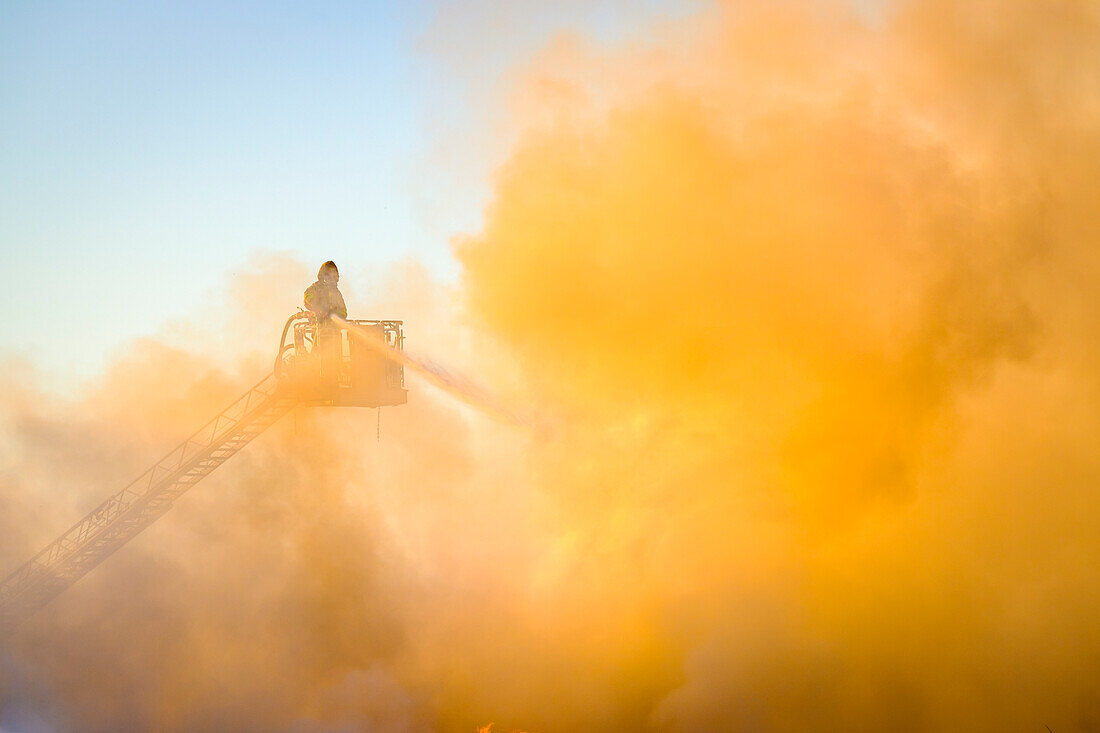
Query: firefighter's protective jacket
[{"x": 324, "y": 299}]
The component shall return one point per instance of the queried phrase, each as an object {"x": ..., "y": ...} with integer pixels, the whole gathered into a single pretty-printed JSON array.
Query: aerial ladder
[{"x": 337, "y": 363}]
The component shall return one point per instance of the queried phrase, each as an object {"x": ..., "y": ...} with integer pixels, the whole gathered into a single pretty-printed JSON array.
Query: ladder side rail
[
  {"x": 121, "y": 500},
  {"x": 148, "y": 509},
  {"x": 50, "y": 581},
  {"x": 202, "y": 464},
  {"x": 99, "y": 520}
]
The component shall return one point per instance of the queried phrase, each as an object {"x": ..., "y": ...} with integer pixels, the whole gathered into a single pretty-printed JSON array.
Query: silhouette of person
[{"x": 323, "y": 298}]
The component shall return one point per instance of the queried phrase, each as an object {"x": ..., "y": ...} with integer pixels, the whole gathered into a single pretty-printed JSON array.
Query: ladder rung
[{"x": 128, "y": 512}]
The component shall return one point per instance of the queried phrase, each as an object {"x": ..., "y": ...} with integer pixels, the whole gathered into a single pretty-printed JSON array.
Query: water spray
[{"x": 456, "y": 385}]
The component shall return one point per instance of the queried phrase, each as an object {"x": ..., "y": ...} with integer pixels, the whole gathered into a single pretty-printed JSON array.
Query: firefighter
[{"x": 323, "y": 298}]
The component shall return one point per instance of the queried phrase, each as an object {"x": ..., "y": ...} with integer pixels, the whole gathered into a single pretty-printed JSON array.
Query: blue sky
[{"x": 147, "y": 148}]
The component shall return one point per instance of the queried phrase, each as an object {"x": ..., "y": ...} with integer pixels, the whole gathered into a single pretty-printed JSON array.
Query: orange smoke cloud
[{"x": 803, "y": 299}]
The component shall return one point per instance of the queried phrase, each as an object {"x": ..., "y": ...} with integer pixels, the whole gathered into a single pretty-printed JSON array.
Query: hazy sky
[{"x": 147, "y": 148}]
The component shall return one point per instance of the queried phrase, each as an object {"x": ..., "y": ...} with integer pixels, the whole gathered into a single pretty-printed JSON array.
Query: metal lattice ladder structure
[{"x": 125, "y": 514}]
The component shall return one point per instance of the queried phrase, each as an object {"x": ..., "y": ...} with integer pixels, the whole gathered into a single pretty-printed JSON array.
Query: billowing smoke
[
  {"x": 809, "y": 301},
  {"x": 814, "y": 298}
]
